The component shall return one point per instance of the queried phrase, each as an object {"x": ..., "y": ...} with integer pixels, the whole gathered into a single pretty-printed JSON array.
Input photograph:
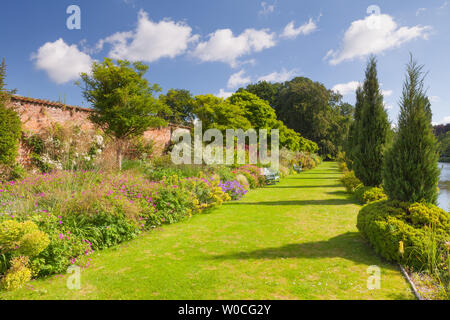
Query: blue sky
[{"x": 212, "y": 46}]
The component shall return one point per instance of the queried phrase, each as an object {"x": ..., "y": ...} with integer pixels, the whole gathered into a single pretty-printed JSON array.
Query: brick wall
[{"x": 38, "y": 114}]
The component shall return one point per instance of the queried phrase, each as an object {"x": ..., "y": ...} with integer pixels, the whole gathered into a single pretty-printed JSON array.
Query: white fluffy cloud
[
  {"x": 346, "y": 88},
  {"x": 282, "y": 76},
  {"x": 224, "y": 94},
  {"x": 238, "y": 79},
  {"x": 350, "y": 88},
  {"x": 62, "y": 62},
  {"x": 373, "y": 35},
  {"x": 150, "y": 41},
  {"x": 223, "y": 46},
  {"x": 291, "y": 32}
]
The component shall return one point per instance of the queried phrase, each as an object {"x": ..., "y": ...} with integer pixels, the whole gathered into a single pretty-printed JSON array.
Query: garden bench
[
  {"x": 271, "y": 176},
  {"x": 298, "y": 168}
]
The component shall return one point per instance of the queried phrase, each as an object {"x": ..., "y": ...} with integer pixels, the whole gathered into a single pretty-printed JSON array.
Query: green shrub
[
  {"x": 369, "y": 194},
  {"x": 17, "y": 275},
  {"x": 401, "y": 232},
  {"x": 10, "y": 132},
  {"x": 350, "y": 181}
]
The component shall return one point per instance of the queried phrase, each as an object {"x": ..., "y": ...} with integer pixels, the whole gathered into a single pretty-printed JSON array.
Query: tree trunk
[{"x": 119, "y": 154}]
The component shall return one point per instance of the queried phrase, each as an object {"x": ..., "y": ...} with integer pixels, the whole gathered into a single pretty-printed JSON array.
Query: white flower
[{"x": 99, "y": 140}]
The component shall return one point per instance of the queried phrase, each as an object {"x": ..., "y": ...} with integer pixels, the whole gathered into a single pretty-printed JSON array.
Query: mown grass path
[{"x": 294, "y": 240}]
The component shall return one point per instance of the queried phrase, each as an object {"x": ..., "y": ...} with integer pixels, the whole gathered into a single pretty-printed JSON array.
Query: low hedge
[
  {"x": 350, "y": 181},
  {"x": 416, "y": 235},
  {"x": 366, "y": 195}
]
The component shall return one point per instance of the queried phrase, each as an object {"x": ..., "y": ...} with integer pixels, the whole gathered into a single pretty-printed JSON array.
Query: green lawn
[{"x": 295, "y": 240}]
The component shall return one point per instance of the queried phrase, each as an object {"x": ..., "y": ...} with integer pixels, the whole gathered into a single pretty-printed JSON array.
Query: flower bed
[{"x": 75, "y": 213}]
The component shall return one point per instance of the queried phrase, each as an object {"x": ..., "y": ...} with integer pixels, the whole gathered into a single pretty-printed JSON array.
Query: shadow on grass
[
  {"x": 305, "y": 187},
  {"x": 340, "y": 193},
  {"x": 349, "y": 246},
  {"x": 306, "y": 177},
  {"x": 323, "y": 202}
]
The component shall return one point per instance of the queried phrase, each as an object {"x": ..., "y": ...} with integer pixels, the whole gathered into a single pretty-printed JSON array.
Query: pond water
[{"x": 444, "y": 186}]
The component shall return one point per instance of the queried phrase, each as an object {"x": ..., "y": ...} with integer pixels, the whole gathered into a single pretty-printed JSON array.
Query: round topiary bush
[{"x": 416, "y": 234}]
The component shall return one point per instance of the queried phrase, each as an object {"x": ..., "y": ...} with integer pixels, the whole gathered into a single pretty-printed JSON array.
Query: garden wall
[{"x": 37, "y": 114}]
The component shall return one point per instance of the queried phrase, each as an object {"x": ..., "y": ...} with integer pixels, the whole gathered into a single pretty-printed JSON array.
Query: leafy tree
[
  {"x": 444, "y": 147},
  {"x": 220, "y": 114},
  {"x": 181, "y": 104},
  {"x": 10, "y": 125},
  {"x": 266, "y": 91},
  {"x": 260, "y": 114},
  {"x": 122, "y": 99},
  {"x": 411, "y": 170},
  {"x": 309, "y": 109},
  {"x": 372, "y": 131}
]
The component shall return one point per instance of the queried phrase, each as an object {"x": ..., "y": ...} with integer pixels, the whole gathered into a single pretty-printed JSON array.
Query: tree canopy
[
  {"x": 181, "y": 103},
  {"x": 310, "y": 109},
  {"x": 122, "y": 100}
]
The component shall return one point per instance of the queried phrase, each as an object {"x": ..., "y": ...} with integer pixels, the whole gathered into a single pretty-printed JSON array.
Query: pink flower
[{"x": 61, "y": 236}]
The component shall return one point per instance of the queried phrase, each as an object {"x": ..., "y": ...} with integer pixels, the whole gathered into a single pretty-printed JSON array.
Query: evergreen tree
[
  {"x": 372, "y": 131},
  {"x": 10, "y": 125},
  {"x": 411, "y": 171},
  {"x": 354, "y": 127}
]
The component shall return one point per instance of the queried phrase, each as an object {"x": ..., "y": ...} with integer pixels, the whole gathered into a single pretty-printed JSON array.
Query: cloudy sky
[{"x": 217, "y": 46}]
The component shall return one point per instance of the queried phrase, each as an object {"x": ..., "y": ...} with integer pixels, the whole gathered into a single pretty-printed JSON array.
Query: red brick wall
[{"x": 39, "y": 114}]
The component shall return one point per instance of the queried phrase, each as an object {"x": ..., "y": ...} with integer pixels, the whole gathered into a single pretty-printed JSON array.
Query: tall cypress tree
[
  {"x": 411, "y": 171},
  {"x": 353, "y": 132},
  {"x": 10, "y": 126},
  {"x": 372, "y": 131}
]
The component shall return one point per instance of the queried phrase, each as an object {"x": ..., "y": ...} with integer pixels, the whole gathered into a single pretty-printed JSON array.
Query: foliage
[
  {"x": 400, "y": 231},
  {"x": 265, "y": 90},
  {"x": 10, "y": 125},
  {"x": 181, "y": 105},
  {"x": 444, "y": 147},
  {"x": 371, "y": 131},
  {"x": 17, "y": 275},
  {"x": 366, "y": 195},
  {"x": 260, "y": 114},
  {"x": 270, "y": 228},
  {"x": 122, "y": 100},
  {"x": 220, "y": 114},
  {"x": 350, "y": 181},
  {"x": 19, "y": 241},
  {"x": 306, "y": 160},
  {"x": 411, "y": 170},
  {"x": 309, "y": 109},
  {"x": 139, "y": 148},
  {"x": 61, "y": 217},
  {"x": 59, "y": 147},
  {"x": 353, "y": 134}
]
